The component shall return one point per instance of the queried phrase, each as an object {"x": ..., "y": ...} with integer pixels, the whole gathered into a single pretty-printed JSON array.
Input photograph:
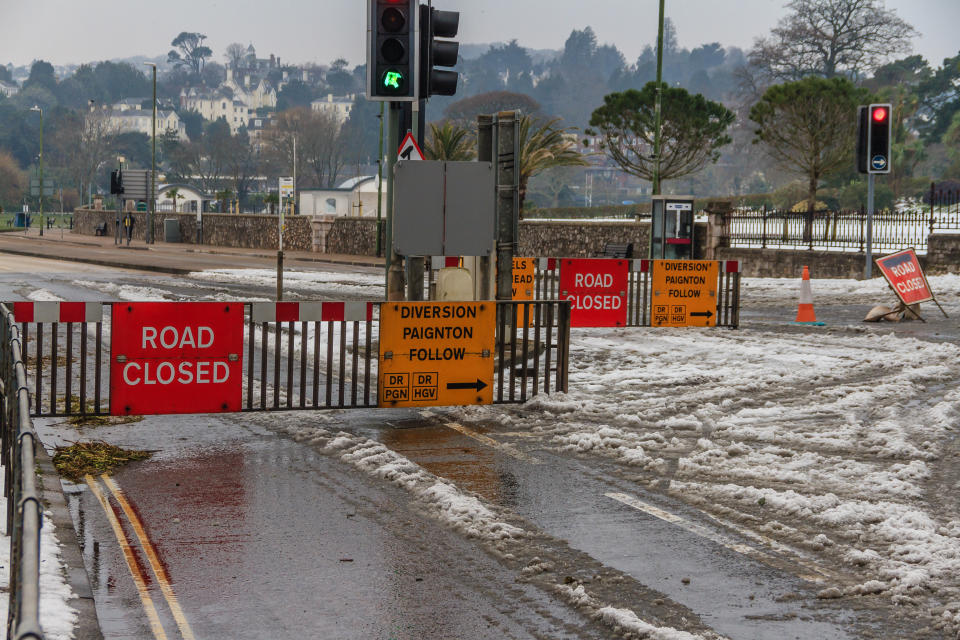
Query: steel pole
[
  {"x": 41, "y": 170},
  {"x": 394, "y": 263},
  {"x": 151, "y": 199},
  {"x": 659, "y": 107},
  {"x": 380, "y": 188},
  {"x": 868, "y": 270}
]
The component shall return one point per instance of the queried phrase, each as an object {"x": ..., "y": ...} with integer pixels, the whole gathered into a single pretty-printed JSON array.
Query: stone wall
[
  {"x": 579, "y": 238},
  {"x": 219, "y": 229},
  {"x": 778, "y": 263},
  {"x": 943, "y": 254},
  {"x": 349, "y": 236}
]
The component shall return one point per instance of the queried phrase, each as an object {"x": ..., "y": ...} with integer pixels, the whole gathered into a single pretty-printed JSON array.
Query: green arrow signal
[{"x": 392, "y": 80}]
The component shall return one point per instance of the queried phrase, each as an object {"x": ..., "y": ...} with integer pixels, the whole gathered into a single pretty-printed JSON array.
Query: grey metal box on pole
[{"x": 443, "y": 208}]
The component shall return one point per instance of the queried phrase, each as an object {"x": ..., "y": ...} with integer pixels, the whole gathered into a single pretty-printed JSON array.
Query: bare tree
[
  {"x": 831, "y": 38},
  {"x": 84, "y": 145},
  {"x": 320, "y": 155},
  {"x": 235, "y": 54}
]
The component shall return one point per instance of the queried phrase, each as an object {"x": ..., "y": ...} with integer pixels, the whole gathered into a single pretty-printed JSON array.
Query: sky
[{"x": 299, "y": 31}]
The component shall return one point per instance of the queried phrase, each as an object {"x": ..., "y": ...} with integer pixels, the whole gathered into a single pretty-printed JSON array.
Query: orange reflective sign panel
[
  {"x": 524, "y": 274},
  {"x": 436, "y": 354},
  {"x": 684, "y": 293}
]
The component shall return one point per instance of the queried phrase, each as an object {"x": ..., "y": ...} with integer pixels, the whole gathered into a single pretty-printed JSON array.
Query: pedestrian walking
[{"x": 128, "y": 226}]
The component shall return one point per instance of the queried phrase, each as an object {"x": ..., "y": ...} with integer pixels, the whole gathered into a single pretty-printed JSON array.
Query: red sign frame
[
  {"x": 597, "y": 290},
  {"x": 905, "y": 276},
  {"x": 176, "y": 357}
]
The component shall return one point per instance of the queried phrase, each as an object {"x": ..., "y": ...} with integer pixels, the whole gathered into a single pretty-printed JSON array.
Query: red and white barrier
[
  {"x": 311, "y": 311},
  {"x": 58, "y": 311}
]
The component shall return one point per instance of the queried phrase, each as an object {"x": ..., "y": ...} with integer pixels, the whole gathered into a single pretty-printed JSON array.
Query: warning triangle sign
[{"x": 409, "y": 149}]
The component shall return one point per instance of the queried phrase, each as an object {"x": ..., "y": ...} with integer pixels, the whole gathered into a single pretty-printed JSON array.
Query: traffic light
[
  {"x": 391, "y": 50},
  {"x": 878, "y": 141},
  {"x": 438, "y": 53},
  {"x": 116, "y": 182}
]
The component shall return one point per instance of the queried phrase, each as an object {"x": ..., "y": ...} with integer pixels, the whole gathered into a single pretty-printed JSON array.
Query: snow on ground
[
  {"x": 824, "y": 440},
  {"x": 335, "y": 285},
  {"x": 56, "y": 616},
  {"x": 841, "y": 291}
]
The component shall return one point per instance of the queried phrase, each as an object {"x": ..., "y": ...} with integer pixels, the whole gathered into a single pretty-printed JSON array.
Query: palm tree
[
  {"x": 450, "y": 142},
  {"x": 544, "y": 146}
]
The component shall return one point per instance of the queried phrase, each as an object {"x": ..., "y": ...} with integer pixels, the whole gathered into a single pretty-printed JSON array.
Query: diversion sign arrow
[
  {"x": 702, "y": 314},
  {"x": 473, "y": 386}
]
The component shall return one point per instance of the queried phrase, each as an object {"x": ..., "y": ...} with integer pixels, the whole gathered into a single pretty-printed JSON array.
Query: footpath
[{"x": 162, "y": 257}]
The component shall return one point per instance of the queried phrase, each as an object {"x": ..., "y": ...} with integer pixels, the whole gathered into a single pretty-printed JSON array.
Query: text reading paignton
[
  {"x": 436, "y": 354},
  {"x": 684, "y": 293}
]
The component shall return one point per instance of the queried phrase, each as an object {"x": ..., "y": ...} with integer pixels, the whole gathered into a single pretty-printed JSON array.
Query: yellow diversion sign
[
  {"x": 684, "y": 293},
  {"x": 436, "y": 353}
]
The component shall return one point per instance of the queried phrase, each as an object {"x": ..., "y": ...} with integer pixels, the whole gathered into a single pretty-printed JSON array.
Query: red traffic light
[{"x": 879, "y": 114}]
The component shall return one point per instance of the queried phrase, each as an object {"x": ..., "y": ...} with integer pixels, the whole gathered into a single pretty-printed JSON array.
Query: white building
[
  {"x": 130, "y": 116},
  {"x": 338, "y": 106},
  {"x": 215, "y": 106},
  {"x": 9, "y": 89},
  {"x": 255, "y": 93},
  {"x": 356, "y": 197},
  {"x": 188, "y": 199}
]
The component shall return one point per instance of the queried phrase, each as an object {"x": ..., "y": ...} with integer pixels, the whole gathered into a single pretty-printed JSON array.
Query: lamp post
[
  {"x": 40, "y": 111},
  {"x": 151, "y": 202},
  {"x": 657, "y": 150}
]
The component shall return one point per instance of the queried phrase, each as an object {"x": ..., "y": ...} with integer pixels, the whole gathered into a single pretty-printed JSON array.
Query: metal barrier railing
[
  {"x": 24, "y": 509},
  {"x": 307, "y": 361}
]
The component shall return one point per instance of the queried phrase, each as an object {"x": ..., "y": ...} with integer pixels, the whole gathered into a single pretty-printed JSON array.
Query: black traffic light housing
[
  {"x": 116, "y": 182},
  {"x": 438, "y": 53},
  {"x": 873, "y": 138},
  {"x": 392, "y": 62}
]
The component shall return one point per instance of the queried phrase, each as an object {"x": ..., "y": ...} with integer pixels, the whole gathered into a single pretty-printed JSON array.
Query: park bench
[
  {"x": 100, "y": 229},
  {"x": 612, "y": 250}
]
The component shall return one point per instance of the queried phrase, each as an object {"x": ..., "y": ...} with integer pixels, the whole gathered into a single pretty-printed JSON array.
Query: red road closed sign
[
  {"x": 597, "y": 291},
  {"x": 176, "y": 357},
  {"x": 902, "y": 270}
]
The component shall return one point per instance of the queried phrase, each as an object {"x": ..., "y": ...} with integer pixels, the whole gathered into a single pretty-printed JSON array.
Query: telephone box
[{"x": 671, "y": 231}]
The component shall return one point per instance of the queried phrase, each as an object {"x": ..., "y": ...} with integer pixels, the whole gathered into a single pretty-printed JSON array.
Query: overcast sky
[{"x": 299, "y": 31}]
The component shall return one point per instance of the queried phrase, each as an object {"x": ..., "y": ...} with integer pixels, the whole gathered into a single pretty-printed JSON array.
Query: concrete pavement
[{"x": 163, "y": 257}]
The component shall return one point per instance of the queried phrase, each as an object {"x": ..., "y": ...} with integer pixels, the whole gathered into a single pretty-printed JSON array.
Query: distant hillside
[{"x": 474, "y": 51}]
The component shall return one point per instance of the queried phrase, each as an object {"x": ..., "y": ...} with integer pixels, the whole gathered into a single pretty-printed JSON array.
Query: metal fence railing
[
  {"x": 944, "y": 208},
  {"x": 24, "y": 509},
  {"x": 324, "y": 356},
  {"x": 828, "y": 230}
]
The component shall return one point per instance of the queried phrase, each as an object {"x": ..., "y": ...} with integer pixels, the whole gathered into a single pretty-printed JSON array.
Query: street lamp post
[
  {"x": 151, "y": 202},
  {"x": 657, "y": 150},
  {"x": 40, "y": 111}
]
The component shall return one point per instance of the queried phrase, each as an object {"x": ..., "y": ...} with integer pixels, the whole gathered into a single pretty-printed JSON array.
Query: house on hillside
[
  {"x": 252, "y": 90},
  {"x": 356, "y": 197},
  {"x": 337, "y": 106},
  {"x": 9, "y": 89},
  {"x": 213, "y": 105},
  {"x": 129, "y": 115}
]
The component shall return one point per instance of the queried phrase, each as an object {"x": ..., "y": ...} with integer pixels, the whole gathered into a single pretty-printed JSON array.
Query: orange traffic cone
[{"x": 805, "y": 312}]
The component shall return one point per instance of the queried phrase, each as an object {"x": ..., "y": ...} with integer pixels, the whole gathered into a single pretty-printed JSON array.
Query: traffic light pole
[
  {"x": 415, "y": 265},
  {"x": 868, "y": 270},
  {"x": 394, "y": 263}
]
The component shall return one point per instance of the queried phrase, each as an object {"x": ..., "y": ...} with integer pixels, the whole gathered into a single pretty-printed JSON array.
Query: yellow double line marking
[{"x": 138, "y": 578}]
